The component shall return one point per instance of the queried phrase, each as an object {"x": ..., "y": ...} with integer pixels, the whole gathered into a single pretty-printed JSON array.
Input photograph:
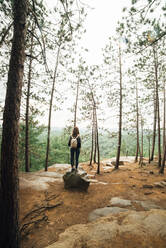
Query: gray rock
[
  {"x": 118, "y": 201},
  {"x": 164, "y": 183},
  {"x": 147, "y": 205},
  {"x": 100, "y": 212},
  {"x": 74, "y": 180},
  {"x": 159, "y": 185}
]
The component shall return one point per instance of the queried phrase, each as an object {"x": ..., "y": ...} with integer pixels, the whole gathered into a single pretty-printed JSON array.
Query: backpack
[{"x": 73, "y": 143}]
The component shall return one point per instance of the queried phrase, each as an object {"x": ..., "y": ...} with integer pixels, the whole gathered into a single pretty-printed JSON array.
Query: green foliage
[{"x": 37, "y": 146}]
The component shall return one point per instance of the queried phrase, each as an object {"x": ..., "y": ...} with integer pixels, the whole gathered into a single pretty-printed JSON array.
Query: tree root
[
  {"x": 41, "y": 209},
  {"x": 26, "y": 225}
]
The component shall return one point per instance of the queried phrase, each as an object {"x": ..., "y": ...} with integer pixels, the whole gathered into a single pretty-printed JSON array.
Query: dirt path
[{"x": 72, "y": 207}]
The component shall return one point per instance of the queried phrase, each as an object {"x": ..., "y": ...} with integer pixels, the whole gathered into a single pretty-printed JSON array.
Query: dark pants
[{"x": 74, "y": 153}]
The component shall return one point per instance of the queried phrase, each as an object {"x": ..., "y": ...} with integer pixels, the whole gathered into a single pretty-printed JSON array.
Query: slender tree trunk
[
  {"x": 163, "y": 161},
  {"x": 97, "y": 144},
  {"x": 157, "y": 105},
  {"x": 154, "y": 126},
  {"x": 164, "y": 119},
  {"x": 76, "y": 104},
  {"x": 149, "y": 149},
  {"x": 9, "y": 196},
  {"x": 92, "y": 144},
  {"x": 137, "y": 110},
  {"x": 164, "y": 141},
  {"x": 142, "y": 143},
  {"x": 50, "y": 109},
  {"x": 120, "y": 114},
  {"x": 27, "y": 162},
  {"x": 96, "y": 132}
]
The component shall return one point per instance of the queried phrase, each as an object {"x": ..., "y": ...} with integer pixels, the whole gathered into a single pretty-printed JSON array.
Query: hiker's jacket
[{"x": 78, "y": 141}]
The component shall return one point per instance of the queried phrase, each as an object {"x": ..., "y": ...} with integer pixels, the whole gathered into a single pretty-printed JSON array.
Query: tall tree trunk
[
  {"x": 50, "y": 109},
  {"x": 157, "y": 105},
  {"x": 164, "y": 141},
  {"x": 9, "y": 196},
  {"x": 76, "y": 104},
  {"x": 142, "y": 140},
  {"x": 137, "y": 125},
  {"x": 92, "y": 144},
  {"x": 120, "y": 113},
  {"x": 149, "y": 148},
  {"x": 154, "y": 126},
  {"x": 97, "y": 144},
  {"x": 164, "y": 118},
  {"x": 27, "y": 162},
  {"x": 163, "y": 161},
  {"x": 96, "y": 133}
]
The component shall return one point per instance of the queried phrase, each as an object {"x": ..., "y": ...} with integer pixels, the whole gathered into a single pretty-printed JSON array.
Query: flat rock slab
[
  {"x": 40, "y": 180},
  {"x": 121, "y": 202},
  {"x": 146, "y": 205},
  {"x": 129, "y": 159},
  {"x": 124, "y": 230},
  {"x": 38, "y": 183},
  {"x": 60, "y": 166},
  {"x": 48, "y": 174},
  {"x": 164, "y": 183},
  {"x": 100, "y": 212},
  {"x": 159, "y": 185}
]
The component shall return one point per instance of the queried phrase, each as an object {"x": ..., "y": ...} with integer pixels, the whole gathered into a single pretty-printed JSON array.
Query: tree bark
[
  {"x": 137, "y": 125},
  {"x": 92, "y": 144},
  {"x": 142, "y": 143},
  {"x": 164, "y": 141},
  {"x": 95, "y": 136},
  {"x": 96, "y": 133},
  {"x": 163, "y": 161},
  {"x": 149, "y": 148},
  {"x": 120, "y": 113},
  {"x": 97, "y": 144},
  {"x": 157, "y": 105},
  {"x": 27, "y": 162},
  {"x": 164, "y": 119},
  {"x": 9, "y": 196},
  {"x": 50, "y": 109},
  {"x": 154, "y": 126}
]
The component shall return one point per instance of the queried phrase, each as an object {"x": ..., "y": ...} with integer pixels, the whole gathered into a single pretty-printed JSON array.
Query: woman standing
[{"x": 75, "y": 145}]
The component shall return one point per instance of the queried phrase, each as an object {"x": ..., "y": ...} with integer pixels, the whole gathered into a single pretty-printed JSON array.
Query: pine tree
[{"x": 9, "y": 198}]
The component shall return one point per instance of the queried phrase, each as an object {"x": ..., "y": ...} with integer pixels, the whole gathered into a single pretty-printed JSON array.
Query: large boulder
[
  {"x": 76, "y": 181},
  {"x": 128, "y": 229}
]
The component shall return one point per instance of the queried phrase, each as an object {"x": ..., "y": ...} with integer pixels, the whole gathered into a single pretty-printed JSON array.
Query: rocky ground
[{"x": 122, "y": 208}]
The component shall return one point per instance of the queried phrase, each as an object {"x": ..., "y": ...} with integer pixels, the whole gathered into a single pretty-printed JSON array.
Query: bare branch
[{"x": 5, "y": 34}]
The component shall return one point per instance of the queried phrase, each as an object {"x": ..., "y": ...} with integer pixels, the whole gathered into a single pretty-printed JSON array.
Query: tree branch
[{"x": 5, "y": 33}]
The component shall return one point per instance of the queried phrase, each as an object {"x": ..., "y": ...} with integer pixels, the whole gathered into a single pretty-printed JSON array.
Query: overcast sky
[{"x": 100, "y": 24}]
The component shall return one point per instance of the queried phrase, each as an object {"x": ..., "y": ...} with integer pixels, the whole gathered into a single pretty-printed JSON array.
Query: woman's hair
[{"x": 75, "y": 132}]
